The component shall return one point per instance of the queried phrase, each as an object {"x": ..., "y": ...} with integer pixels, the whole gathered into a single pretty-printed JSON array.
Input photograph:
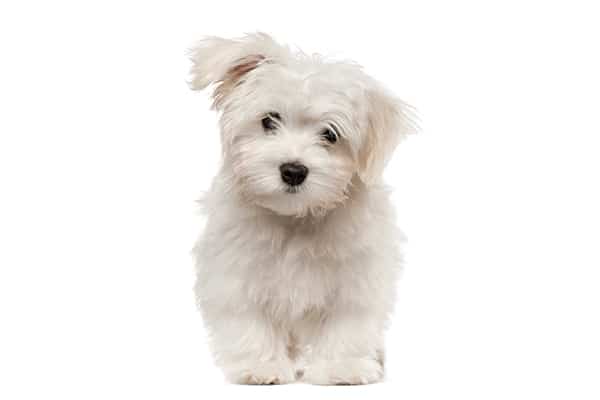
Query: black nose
[{"x": 293, "y": 173}]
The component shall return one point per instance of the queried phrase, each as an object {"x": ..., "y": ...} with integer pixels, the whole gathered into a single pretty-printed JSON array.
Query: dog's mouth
[{"x": 292, "y": 189}]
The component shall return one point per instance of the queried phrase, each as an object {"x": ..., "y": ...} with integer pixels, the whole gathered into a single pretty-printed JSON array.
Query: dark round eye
[
  {"x": 330, "y": 135},
  {"x": 270, "y": 121}
]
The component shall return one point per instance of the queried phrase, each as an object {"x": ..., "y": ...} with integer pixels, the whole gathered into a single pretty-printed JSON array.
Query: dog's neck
[{"x": 357, "y": 192}]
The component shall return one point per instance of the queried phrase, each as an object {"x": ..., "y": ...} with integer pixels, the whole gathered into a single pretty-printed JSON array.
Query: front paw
[
  {"x": 348, "y": 371},
  {"x": 261, "y": 373}
]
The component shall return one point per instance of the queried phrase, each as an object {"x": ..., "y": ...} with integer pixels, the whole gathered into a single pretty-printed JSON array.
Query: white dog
[{"x": 299, "y": 258}]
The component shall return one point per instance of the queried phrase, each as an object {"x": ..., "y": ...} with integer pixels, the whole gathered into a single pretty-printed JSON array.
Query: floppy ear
[
  {"x": 225, "y": 62},
  {"x": 389, "y": 120}
]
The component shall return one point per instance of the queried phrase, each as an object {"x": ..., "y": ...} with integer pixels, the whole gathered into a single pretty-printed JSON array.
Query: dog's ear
[
  {"x": 225, "y": 62},
  {"x": 389, "y": 120}
]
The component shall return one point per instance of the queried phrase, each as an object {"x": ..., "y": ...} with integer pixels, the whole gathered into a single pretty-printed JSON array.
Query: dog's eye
[
  {"x": 270, "y": 121},
  {"x": 330, "y": 135}
]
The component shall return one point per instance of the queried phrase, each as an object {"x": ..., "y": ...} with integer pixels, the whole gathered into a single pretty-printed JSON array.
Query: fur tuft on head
[{"x": 225, "y": 62}]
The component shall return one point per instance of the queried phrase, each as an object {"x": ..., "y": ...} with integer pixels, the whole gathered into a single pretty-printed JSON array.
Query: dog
[{"x": 297, "y": 264}]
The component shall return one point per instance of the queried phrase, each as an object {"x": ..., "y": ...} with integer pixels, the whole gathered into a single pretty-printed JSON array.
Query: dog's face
[{"x": 296, "y": 130}]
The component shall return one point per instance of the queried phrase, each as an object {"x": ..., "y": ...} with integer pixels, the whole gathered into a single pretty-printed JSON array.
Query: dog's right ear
[{"x": 225, "y": 62}]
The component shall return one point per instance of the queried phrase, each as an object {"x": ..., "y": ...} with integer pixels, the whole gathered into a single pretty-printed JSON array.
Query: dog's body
[{"x": 298, "y": 261}]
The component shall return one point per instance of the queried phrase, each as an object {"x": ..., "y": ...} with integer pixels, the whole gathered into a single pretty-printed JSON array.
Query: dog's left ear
[
  {"x": 224, "y": 63},
  {"x": 389, "y": 120}
]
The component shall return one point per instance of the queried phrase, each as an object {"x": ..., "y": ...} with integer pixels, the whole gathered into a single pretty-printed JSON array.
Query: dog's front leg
[
  {"x": 251, "y": 349},
  {"x": 346, "y": 349}
]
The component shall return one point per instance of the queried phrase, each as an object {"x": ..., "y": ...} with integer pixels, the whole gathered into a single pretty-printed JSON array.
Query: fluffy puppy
[{"x": 299, "y": 257}]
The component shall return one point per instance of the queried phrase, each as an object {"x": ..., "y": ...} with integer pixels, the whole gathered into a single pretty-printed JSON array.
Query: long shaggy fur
[{"x": 297, "y": 282}]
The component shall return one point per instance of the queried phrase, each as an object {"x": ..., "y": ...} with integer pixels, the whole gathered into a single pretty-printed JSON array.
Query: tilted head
[{"x": 296, "y": 130}]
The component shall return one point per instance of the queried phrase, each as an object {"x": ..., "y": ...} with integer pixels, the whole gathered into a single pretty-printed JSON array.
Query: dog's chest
[{"x": 300, "y": 273}]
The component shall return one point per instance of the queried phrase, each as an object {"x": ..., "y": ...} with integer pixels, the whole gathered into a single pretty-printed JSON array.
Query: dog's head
[{"x": 296, "y": 129}]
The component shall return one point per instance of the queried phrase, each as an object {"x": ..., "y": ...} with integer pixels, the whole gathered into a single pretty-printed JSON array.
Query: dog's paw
[
  {"x": 349, "y": 371},
  {"x": 262, "y": 373}
]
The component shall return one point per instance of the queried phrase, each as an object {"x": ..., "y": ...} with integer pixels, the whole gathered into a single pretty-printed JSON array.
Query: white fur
[{"x": 297, "y": 285}]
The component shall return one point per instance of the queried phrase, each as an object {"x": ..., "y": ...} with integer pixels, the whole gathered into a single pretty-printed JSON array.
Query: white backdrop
[{"x": 104, "y": 149}]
